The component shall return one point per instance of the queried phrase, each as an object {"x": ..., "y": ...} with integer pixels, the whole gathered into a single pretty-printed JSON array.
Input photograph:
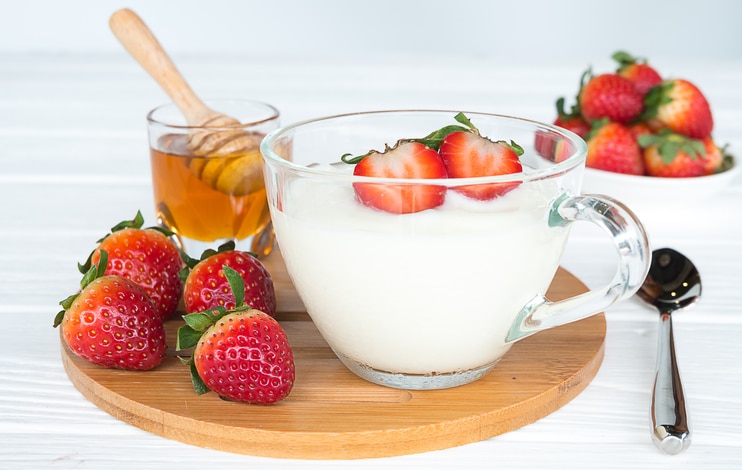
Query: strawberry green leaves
[
  {"x": 197, "y": 323},
  {"x": 670, "y": 144},
  {"x": 432, "y": 141},
  {"x": 93, "y": 272}
]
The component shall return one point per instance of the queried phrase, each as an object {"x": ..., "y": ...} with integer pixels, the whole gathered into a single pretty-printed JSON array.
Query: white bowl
[{"x": 645, "y": 193}]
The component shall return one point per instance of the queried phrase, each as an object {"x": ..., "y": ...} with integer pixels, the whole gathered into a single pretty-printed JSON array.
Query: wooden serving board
[{"x": 333, "y": 414}]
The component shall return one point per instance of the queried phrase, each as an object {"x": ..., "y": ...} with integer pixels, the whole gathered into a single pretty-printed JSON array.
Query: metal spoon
[{"x": 673, "y": 283}]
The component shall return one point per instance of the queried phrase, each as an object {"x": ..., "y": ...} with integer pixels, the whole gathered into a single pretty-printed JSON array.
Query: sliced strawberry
[
  {"x": 467, "y": 154},
  {"x": 411, "y": 160}
]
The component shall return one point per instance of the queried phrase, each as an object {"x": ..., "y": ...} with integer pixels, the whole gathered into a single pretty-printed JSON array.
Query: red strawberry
[
  {"x": 405, "y": 160},
  {"x": 553, "y": 147},
  {"x": 147, "y": 257},
  {"x": 639, "y": 128},
  {"x": 672, "y": 155},
  {"x": 467, "y": 154},
  {"x": 714, "y": 159},
  {"x": 112, "y": 322},
  {"x": 575, "y": 124},
  {"x": 643, "y": 75},
  {"x": 205, "y": 286},
  {"x": 681, "y": 107},
  {"x": 241, "y": 354},
  {"x": 573, "y": 120},
  {"x": 612, "y": 147},
  {"x": 610, "y": 96}
]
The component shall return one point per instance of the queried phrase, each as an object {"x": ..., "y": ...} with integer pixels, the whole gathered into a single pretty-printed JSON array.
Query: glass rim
[
  {"x": 557, "y": 168},
  {"x": 272, "y": 113}
]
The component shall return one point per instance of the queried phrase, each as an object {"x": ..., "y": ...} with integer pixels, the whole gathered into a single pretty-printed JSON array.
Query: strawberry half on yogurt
[{"x": 454, "y": 151}]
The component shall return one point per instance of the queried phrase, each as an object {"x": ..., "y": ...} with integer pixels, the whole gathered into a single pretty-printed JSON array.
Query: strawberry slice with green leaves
[
  {"x": 453, "y": 151},
  {"x": 409, "y": 160},
  {"x": 466, "y": 154}
]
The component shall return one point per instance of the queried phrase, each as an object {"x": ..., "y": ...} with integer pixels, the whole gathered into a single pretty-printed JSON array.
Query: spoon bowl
[{"x": 673, "y": 283}]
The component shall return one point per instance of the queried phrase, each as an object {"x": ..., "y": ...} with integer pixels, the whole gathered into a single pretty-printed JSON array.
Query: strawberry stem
[
  {"x": 432, "y": 141},
  {"x": 197, "y": 323},
  {"x": 237, "y": 284},
  {"x": 669, "y": 144},
  {"x": 93, "y": 272},
  {"x": 656, "y": 97},
  {"x": 189, "y": 263},
  {"x": 189, "y": 334},
  {"x": 135, "y": 223},
  {"x": 625, "y": 59}
]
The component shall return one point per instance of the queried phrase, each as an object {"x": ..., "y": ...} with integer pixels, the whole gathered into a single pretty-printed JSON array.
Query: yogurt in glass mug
[{"x": 434, "y": 299}]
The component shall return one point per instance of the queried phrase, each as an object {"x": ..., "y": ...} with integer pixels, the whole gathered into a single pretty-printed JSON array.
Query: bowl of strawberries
[{"x": 649, "y": 137}]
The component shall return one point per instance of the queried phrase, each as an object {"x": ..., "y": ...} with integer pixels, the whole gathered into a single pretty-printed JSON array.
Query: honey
[{"x": 208, "y": 198}]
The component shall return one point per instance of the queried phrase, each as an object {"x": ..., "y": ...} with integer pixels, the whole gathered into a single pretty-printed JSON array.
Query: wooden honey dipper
[{"x": 219, "y": 135}]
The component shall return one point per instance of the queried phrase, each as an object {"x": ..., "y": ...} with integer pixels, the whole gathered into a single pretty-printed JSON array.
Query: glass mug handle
[{"x": 632, "y": 243}]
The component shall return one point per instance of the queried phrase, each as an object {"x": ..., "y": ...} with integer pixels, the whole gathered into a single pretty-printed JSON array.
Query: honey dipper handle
[{"x": 142, "y": 45}]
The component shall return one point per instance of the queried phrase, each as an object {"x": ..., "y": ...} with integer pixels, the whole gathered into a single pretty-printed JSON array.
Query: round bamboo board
[{"x": 333, "y": 414}]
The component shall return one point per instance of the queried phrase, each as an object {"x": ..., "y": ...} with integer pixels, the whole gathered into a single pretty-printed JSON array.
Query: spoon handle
[
  {"x": 144, "y": 47},
  {"x": 670, "y": 428}
]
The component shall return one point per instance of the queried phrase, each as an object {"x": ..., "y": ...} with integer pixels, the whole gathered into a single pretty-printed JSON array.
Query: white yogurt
[{"x": 423, "y": 293}]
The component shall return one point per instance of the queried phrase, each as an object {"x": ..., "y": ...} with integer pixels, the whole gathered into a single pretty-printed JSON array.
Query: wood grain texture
[{"x": 333, "y": 414}]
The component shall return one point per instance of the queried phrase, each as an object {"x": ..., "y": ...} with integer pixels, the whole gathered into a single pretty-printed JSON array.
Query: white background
[
  {"x": 528, "y": 31},
  {"x": 74, "y": 161}
]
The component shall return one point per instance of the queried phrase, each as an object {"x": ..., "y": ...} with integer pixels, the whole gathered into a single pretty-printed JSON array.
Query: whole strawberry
[
  {"x": 145, "y": 256},
  {"x": 715, "y": 157},
  {"x": 611, "y": 146},
  {"x": 639, "y": 128},
  {"x": 638, "y": 71},
  {"x": 680, "y": 106},
  {"x": 672, "y": 155},
  {"x": 571, "y": 120},
  {"x": 112, "y": 322},
  {"x": 205, "y": 286},
  {"x": 241, "y": 354},
  {"x": 553, "y": 147},
  {"x": 610, "y": 96}
]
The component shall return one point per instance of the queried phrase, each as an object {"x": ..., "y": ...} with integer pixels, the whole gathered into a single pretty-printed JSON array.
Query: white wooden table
[{"x": 74, "y": 161}]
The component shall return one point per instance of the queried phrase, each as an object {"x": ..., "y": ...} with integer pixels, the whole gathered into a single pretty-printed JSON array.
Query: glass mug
[
  {"x": 434, "y": 299},
  {"x": 207, "y": 200}
]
